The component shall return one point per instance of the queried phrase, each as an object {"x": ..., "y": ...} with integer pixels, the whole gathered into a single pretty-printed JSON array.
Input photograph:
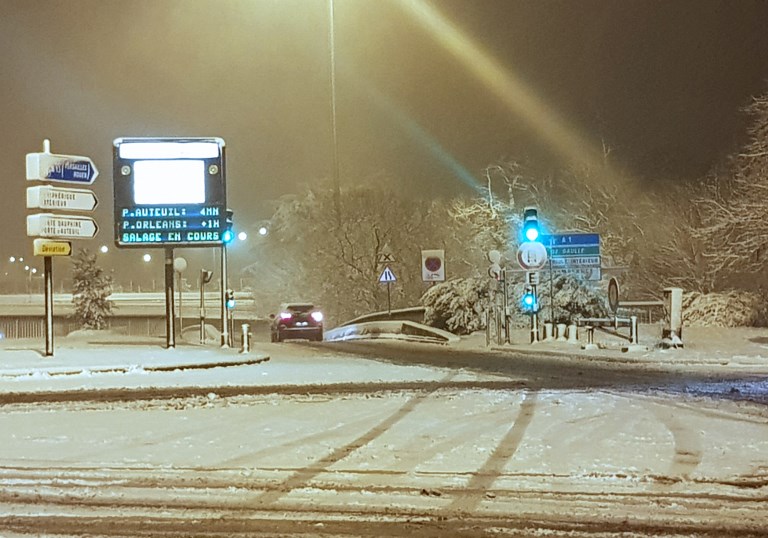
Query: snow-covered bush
[
  {"x": 457, "y": 305},
  {"x": 91, "y": 289},
  {"x": 574, "y": 298},
  {"x": 731, "y": 309}
]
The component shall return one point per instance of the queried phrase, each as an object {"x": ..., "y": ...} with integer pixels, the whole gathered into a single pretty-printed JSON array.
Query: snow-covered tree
[
  {"x": 91, "y": 289},
  {"x": 733, "y": 218}
]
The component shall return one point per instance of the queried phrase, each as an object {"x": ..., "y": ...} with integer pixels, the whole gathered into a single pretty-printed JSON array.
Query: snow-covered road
[{"x": 427, "y": 451}]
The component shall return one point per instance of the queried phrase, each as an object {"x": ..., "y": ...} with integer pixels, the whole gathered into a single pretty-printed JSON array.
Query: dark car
[{"x": 297, "y": 320}]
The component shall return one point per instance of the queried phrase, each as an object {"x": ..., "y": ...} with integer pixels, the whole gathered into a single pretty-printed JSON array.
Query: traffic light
[
  {"x": 230, "y": 299},
  {"x": 229, "y": 233},
  {"x": 529, "y": 302},
  {"x": 531, "y": 224}
]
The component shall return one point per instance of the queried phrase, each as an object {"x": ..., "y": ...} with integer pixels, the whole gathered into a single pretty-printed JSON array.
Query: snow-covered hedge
[
  {"x": 731, "y": 309},
  {"x": 459, "y": 305}
]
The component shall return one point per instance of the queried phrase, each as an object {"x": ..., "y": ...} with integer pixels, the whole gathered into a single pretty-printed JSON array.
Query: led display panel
[{"x": 169, "y": 192}]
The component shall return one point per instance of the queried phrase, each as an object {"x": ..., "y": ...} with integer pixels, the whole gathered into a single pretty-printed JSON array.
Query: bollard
[
  {"x": 561, "y": 332},
  {"x": 548, "y": 331},
  {"x": 573, "y": 335},
  {"x": 633, "y": 336},
  {"x": 673, "y": 302},
  {"x": 246, "y": 340}
]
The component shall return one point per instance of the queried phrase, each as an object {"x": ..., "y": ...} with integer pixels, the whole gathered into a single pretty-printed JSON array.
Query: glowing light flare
[
  {"x": 317, "y": 316},
  {"x": 505, "y": 86},
  {"x": 285, "y": 315}
]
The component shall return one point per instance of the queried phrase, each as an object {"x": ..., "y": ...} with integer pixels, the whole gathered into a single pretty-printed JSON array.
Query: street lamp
[{"x": 104, "y": 249}]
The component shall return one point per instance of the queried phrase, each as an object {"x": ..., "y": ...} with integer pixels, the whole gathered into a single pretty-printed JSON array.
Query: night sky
[{"x": 661, "y": 82}]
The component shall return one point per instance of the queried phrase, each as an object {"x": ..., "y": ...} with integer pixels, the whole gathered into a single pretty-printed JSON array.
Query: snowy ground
[{"x": 454, "y": 450}]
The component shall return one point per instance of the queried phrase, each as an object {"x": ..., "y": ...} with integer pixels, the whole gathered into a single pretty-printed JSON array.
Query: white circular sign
[
  {"x": 494, "y": 256},
  {"x": 532, "y": 256},
  {"x": 179, "y": 265}
]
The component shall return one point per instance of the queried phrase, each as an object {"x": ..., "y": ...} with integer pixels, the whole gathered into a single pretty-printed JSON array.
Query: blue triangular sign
[{"x": 387, "y": 276}]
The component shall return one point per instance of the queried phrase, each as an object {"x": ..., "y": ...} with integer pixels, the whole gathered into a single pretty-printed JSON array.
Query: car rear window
[{"x": 300, "y": 308}]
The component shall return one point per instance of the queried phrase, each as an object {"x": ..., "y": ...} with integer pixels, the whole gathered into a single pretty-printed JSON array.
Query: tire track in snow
[
  {"x": 687, "y": 445},
  {"x": 303, "y": 476},
  {"x": 493, "y": 468}
]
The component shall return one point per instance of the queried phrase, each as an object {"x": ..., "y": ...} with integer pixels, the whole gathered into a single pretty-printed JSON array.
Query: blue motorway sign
[
  {"x": 572, "y": 239},
  {"x": 169, "y": 192},
  {"x": 574, "y": 253}
]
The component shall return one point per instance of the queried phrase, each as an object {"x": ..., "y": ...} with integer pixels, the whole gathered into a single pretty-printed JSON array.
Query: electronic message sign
[{"x": 169, "y": 192}]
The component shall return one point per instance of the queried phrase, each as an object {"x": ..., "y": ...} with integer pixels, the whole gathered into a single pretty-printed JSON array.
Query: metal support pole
[
  {"x": 590, "y": 335},
  {"x": 202, "y": 306},
  {"x": 505, "y": 305},
  {"x": 535, "y": 316},
  {"x": 633, "y": 336},
  {"x": 170, "y": 315},
  {"x": 181, "y": 310},
  {"x": 488, "y": 327},
  {"x": 231, "y": 323},
  {"x": 224, "y": 317},
  {"x": 551, "y": 287},
  {"x": 48, "y": 305},
  {"x": 389, "y": 300}
]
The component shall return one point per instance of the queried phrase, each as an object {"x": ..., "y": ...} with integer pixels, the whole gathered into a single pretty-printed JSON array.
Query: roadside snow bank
[{"x": 403, "y": 330}]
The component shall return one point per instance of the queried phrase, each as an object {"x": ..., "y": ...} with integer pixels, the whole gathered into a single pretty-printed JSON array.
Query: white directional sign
[
  {"x": 387, "y": 276},
  {"x": 61, "y": 168},
  {"x": 65, "y": 199},
  {"x": 61, "y": 226}
]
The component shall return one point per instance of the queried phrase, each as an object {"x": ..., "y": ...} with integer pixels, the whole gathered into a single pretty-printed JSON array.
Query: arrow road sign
[
  {"x": 387, "y": 276},
  {"x": 46, "y": 197},
  {"x": 51, "y": 247},
  {"x": 61, "y": 226},
  {"x": 61, "y": 168}
]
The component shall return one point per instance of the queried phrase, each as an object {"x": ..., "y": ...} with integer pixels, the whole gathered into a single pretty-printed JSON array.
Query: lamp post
[{"x": 335, "y": 166}]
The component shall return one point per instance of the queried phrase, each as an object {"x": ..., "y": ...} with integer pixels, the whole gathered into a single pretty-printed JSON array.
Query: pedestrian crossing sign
[{"x": 387, "y": 276}]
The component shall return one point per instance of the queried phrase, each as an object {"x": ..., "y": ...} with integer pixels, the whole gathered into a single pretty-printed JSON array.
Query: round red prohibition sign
[{"x": 433, "y": 264}]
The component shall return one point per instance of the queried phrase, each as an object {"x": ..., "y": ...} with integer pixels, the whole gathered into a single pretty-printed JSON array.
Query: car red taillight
[
  {"x": 317, "y": 316},
  {"x": 285, "y": 315}
]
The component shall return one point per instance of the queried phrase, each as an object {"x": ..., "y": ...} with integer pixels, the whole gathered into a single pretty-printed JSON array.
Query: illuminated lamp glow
[
  {"x": 169, "y": 182},
  {"x": 317, "y": 316},
  {"x": 532, "y": 234},
  {"x": 169, "y": 150},
  {"x": 285, "y": 315},
  {"x": 242, "y": 236}
]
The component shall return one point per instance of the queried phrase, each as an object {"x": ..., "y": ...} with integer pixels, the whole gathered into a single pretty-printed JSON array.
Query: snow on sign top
[{"x": 387, "y": 276}]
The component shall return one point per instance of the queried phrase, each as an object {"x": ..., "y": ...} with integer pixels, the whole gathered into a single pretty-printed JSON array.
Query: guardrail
[{"x": 602, "y": 323}]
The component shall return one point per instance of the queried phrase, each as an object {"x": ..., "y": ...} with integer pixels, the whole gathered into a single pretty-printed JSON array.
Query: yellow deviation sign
[{"x": 50, "y": 247}]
